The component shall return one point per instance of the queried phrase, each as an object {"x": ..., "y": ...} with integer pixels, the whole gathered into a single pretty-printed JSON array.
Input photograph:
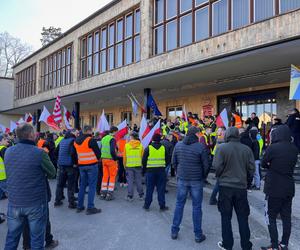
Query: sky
[{"x": 25, "y": 18}]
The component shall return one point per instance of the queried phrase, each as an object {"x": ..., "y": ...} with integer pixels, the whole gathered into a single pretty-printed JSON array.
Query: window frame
[{"x": 25, "y": 83}]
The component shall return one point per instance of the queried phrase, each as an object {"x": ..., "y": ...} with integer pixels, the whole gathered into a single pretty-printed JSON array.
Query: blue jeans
[
  {"x": 88, "y": 177},
  {"x": 168, "y": 167},
  {"x": 37, "y": 220},
  {"x": 155, "y": 179},
  {"x": 3, "y": 189},
  {"x": 196, "y": 190},
  {"x": 256, "y": 177}
]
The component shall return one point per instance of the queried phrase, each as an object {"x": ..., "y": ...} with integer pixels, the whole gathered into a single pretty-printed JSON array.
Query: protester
[
  {"x": 66, "y": 161},
  {"x": 3, "y": 146},
  {"x": 167, "y": 142},
  {"x": 252, "y": 121},
  {"x": 190, "y": 159},
  {"x": 121, "y": 170},
  {"x": 98, "y": 138},
  {"x": 26, "y": 167},
  {"x": 293, "y": 122},
  {"x": 155, "y": 159},
  {"x": 88, "y": 155},
  {"x": 233, "y": 162},
  {"x": 109, "y": 163},
  {"x": 133, "y": 154},
  {"x": 280, "y": 159},
  {"x": 256, "y": 153}
]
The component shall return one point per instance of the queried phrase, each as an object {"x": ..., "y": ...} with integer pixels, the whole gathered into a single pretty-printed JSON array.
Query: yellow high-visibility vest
[
  {"x": 133, "y": 155},
  {"x": 156, "y": 158},
  {"x": 2, "y": 167}
]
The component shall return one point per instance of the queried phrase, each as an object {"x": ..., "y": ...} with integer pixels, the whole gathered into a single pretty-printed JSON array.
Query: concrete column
[
  {"x": 38, "y": 124},
  {"x": 77, "y": 115},
  {"x": 147, "y": 92},
  {"x": 75, "y": 66},
  {"x": 146, "y": 29}
]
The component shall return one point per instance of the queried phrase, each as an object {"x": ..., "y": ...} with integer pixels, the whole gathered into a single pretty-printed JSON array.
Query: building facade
[{"x": 205, "y": 55}]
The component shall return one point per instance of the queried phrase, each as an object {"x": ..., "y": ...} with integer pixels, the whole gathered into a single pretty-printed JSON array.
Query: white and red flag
[
  {"x": 144, "y": 128},
  {"x": 47, "y": 118},
  {"x": 184, "y": 113},
  {"x": 28, "y": 118},
  {"x": 222, "y": 119},
  {"x": 122, "y": 130},
  {"x": 67, "y": 116},
  {"x": 148, "y": 138},
  {"x": 103, "y": 124},
  {"x": 57, "y": 110}
]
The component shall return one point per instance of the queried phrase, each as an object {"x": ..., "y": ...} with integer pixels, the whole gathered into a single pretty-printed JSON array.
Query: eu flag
[
  {"x": 295, "y": 83},
  {"x": 152, "y": 104}
]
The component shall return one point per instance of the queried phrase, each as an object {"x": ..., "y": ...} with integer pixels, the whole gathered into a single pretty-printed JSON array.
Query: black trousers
[
  {"x": 66, "y": 174},
  {"x": 282, "y": 206},
  {"x": 121, "y": 171},
  {"x": 76, "y": 183},
  {"x": 229, "y": 199},
  {"x": 26, "y": 233},
  {"x": 100, "y": 176}
]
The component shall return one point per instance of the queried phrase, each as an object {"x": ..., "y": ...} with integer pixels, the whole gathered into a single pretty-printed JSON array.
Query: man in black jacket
[
  {"x": 233, "y": 162},
  {"x": 155, "y": 159},
  {"x": 293, "y": 122},
  {"x": 252, "y": 121},
  {"x": 190, "y": 159},
  {"x": 279, "y": 160}
]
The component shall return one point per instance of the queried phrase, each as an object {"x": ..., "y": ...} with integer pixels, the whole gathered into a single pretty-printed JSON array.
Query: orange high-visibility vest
[
  {"x": 40, "y": 145},
  {"x": 121, "y": 147},
  {"x": 85, "y": 154},
  {"x": 238, "y": 121}
]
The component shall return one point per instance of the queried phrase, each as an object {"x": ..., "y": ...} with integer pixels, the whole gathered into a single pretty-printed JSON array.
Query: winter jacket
[
  {"x": 92, "y": 144},
  {"x": 255, "y": 144},
  {"x": 134, "y": 144},
  {"x": 280, "y": 159},
  {"x": 156, "y": 145},
  {"x": 233, "y": 161},
  {"x": 252, "y": 122},
  {"x": 65, "y": 151},
  {"x": 190, "y": 159},
  {"x": 293, "y": 122},
  {"x": 169, "y": 147}
]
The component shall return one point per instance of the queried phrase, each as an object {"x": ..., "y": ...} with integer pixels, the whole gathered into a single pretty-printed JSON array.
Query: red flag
[
  {"x": 48, "y": 119},
  {"x": 122, "y": 130},
  {"x": 57, "y": 110},
  {"x": 147, "y": 130}
]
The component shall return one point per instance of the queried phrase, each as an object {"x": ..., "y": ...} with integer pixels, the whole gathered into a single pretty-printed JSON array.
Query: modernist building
[{"x": 204, "y": 54}]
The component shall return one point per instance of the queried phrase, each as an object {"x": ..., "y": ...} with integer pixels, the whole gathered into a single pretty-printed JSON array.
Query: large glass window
[
  {"x": 159, "y": 11},
  {"x": 128, "y": 51},
  {"x": 171, "y": 8},
  {"x": 171, "y": 35},
  {"x": 240, "y": 13},
  {"x": 202, "y": 20},
  {"x": 220, "y": 17},
  {"x": 120, "y": 30},
  {"x": 128, "y": 26},
  {"x": 173, "y": 112},
  {"x": 159, "y": 40},
  {"x": 186, "y": 29},
  {"x": 25, "y": 82},
  {"x": 263, "y": 9},
  {"x": 287, "y": 5},
  {"x": 185, "y": 5}
]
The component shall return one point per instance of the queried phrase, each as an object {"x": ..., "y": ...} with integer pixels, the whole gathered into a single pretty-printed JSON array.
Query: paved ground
[{"x": 124, "y": 225}]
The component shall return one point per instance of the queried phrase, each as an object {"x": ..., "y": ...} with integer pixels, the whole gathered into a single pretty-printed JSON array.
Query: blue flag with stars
[{"x": 152, "y": 104}]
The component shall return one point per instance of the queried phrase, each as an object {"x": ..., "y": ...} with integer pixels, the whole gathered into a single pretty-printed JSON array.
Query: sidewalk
[{"x": 124, "y": 225}]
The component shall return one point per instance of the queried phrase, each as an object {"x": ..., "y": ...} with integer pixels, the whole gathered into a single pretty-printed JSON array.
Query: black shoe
[
  {"x": 283, "y": 247},
  {"x": 165, "y": 208},
  {"x": 93, "y": 210},
  {"x": 166, "y": 191},
  {"x": 1, "y": 220},
  {"x": 102, "y": 196},
  {"x": 174, "y": 236},
  {"x": 63, "y": 197},
  {"x": 146, "y": 208},
  {"x": 58, "y": 203},
  {"x": 269, "y": 248},
  {"x": 53, "y": 244},
  {"x": 80, "y": 209},
  {"x": 109, "y": 197},
  {"x": 213, "y": 202},
  {"x": 201, "y": 239},
  {"x": 72, "y": 205}
]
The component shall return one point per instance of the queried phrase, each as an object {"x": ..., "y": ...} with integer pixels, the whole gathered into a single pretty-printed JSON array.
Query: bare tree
[
  {"x": 50, "y": 34},
  {"x": 12, "y": 51}
]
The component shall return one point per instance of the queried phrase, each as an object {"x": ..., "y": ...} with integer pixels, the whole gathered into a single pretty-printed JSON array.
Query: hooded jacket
[
  {"x": 133, "y": 144},
  {"x": 280, "y": 159},
  {"x": 233, "y": 161},
  {"x": 190, "y": 159}
]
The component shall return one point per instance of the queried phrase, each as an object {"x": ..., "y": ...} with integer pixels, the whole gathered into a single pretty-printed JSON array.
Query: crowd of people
[{"x": 186, "y": 148}]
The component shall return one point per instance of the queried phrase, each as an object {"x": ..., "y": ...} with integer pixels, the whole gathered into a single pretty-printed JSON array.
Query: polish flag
[
  {"x": 21, "y": 121},
  {"x": 184, "y": 113},
  {"x": 144, "y": 128},
  {"x": 103, "y": 124},
  {"x": 66, "y": 117},
  {"x": 57, "y": 110},
  {"x": 148, "y": 138},
  {"x": 222, "y": 119},
  {"x": 47, "y": 118},
  {"x": 122, "y": 130},
  {"x": 28, "y": 117},
  {"x": 13, "y": 126}
]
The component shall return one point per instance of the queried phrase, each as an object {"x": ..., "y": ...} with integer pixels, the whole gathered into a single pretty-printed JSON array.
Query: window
[
  {"x": 159, "y": 40},
  {"x": 202, "y": 28},
  {"x": 159, "y": 11},
  {"x": 199, "y": 2},
  {"x": 263, "y": 9},
  {"x": 171, "y": 8},
  {"x": 173, "y": 112},
  {"x": 220, "y": 18},
  {"x": 128, "y": 116},
  {"x": 81, "y": 121},
  {"x": 185, "y": 5},
  {"x": 110, "y": 118},
  {"x": 287, "y": 5},
  {"x": 171, "y": 35},
  {"x": 56, "y": 69},
  {"x": 111, "y": 46},
  {"x": 240, "y": 13},
  {"x": 186, "y": 27},
  {"x": 25, "y": 82},
  {"x": 93, "y": 121}
]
